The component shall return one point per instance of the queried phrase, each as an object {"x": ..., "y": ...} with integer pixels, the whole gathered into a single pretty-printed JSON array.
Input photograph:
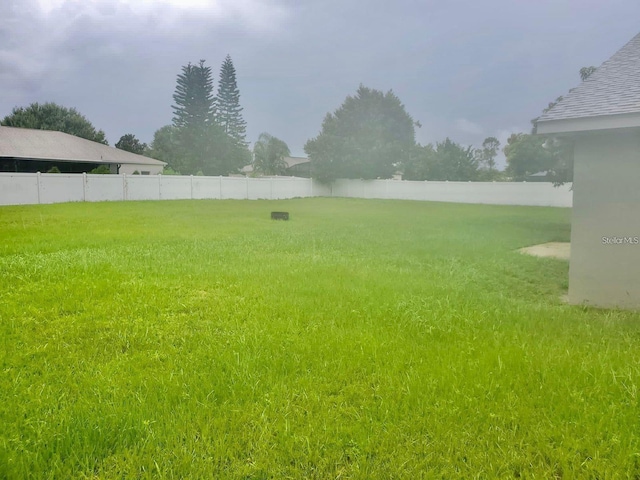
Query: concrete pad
[{"x": 559, "y": 250}]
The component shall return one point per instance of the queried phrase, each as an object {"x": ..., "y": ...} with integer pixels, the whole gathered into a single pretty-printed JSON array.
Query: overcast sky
[{"x": 465, "y": 69}]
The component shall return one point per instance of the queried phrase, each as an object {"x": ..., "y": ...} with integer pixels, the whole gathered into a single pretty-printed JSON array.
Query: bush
[
  {"x": 54, "y": 169},
  {"x": 101, "y": 170}
]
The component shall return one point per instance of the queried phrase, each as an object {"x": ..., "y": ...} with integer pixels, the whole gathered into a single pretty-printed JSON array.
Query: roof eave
[
  {"x": 103, "y": 161},
  {"x": 587, "y": 124}
]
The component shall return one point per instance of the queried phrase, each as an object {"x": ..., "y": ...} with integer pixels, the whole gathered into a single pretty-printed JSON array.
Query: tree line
[{"x": 369, "y": 136}]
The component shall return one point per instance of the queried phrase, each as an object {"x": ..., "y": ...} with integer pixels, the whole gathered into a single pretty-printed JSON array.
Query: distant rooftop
[
  {"x": 26, "y": 143},
  {"x": 613, "y": 89},
  {"x": 292, "y": 161}
]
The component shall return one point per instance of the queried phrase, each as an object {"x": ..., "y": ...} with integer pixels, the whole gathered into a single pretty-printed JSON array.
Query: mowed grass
[{"x": 361, "y": 339}]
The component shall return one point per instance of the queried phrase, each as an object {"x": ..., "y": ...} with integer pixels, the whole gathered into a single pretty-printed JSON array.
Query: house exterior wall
[
  {"x": 605, "y": 229},
  {"x": 129, "y": 168}
]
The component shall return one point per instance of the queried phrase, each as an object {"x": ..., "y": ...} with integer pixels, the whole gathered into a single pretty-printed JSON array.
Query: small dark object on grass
[{"x": 279, "y": 215}]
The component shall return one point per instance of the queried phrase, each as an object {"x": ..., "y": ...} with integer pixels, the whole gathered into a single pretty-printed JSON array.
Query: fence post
[
  {"x": 247, "y": 183},
  {"x": 220, "y": 189},
  {"x": 84, "y": 186},
  {"x": 191, "y": 178},
  {"x": 159, "y": 186},
  {"x": 125, "y": 193},
  {"x": 38, "y": 185}
]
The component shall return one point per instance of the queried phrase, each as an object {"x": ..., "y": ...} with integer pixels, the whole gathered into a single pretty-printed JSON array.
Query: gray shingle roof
[
  {"x": 49, "y": 145},
  {"x": 613, "y": 89},
  {"x": 293, "y": 161}
]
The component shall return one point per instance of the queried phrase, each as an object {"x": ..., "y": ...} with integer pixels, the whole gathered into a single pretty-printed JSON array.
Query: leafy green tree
[
  {"x": 50, "y": 116},
  {"x": 166, "y": 147},
  {"x": 488, "y": 153},
  {"x": 229, "y": 111},
  {"x": 448, "y": 160},
  {"x": 486, "y": 157},
  {"x": 419, "y": 163},
  {"x": 268, "y": 155},
  {"x": 561, "y": 169},
  {"x": 367, "y": 137},
  {"x": 451, "y": 161},
  {"x": 527, "y": 155},
  {"x": 230, "y": 157},
  {"x": 130, "y": 143}
]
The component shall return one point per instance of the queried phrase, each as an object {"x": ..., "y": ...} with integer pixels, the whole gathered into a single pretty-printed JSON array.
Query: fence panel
[
  {"x": 175, "y": 187},
  {"x": 19, "y": 189},
  {"x": 29, "y": 188},
  {"x": 260, "y": 188},
  {"x": 60, "y": 188},
  {"x": 142, "y": 187},
  {"x": 234, "y": 188},
  {"x": 101, "y": 188}
]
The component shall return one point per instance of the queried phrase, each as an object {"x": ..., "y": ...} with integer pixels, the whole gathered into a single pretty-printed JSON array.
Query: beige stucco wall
[{"x": 605, "y": 228}]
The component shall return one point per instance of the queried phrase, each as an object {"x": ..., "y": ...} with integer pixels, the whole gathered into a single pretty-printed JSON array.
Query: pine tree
[
  {"x": 195, "y": 104},
  {"x": 194, "y": 119},
  {"x": 229, "y": 112}
]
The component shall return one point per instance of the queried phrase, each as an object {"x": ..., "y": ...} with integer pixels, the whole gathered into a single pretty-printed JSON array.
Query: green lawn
[{"x": 361, "y": 339}]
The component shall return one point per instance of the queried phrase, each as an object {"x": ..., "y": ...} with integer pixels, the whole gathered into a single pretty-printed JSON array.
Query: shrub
[{"x": 101, "y": 170}]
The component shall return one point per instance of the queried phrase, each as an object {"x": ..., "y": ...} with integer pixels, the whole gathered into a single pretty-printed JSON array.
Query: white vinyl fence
[{"x": 35, "y": 188}]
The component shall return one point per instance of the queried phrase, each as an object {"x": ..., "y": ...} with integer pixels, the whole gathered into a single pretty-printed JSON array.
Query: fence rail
[{"x": 43, "y": 188}]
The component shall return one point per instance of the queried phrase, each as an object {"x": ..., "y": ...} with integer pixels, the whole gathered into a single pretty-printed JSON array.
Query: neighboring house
[
  {"x": 296, "y": 167},
  {"x": 602, "y": 115},
  {"x": 28, "y": 150},
  {"x": 247, "y": 170},
  {"x": 537, "y": 177}
]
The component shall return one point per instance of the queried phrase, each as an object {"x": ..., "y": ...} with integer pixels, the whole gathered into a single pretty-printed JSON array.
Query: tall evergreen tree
[
  {"x": 229, "y": 112},
  {"x": 195, "y": 103},
  {"x": 194, "y": 120}
]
